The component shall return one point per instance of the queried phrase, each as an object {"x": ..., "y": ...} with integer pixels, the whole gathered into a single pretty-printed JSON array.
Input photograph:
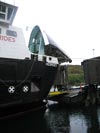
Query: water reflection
[
  {"x": 55, "y": 119},
  {"x": 74, "y": 120},
  {"x": 92, "y": 120},
  {"x": 58, "y": 121}
]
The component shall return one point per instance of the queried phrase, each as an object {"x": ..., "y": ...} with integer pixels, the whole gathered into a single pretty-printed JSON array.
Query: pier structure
[
  {"x": 61, "y": 79},
  {"x": 91, "y": 68},
  {"x": 89, "y": 94},
  {"x": 61, "y": 93}
]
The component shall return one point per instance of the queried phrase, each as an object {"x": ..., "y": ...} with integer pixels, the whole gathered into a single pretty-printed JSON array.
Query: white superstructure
[{"x": 12, "y": 42}]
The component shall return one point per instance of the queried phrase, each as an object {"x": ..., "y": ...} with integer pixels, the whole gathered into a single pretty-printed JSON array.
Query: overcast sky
[{"x": 73, "y": 24}]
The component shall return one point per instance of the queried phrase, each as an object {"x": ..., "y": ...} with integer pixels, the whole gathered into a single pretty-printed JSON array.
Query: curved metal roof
[
  {"x": 50, "y": 47},
  {"x": 58, "y": 52}
]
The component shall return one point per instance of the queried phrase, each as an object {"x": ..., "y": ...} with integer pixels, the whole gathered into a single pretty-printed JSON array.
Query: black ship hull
[
  {"x": 26, "y": 74},
  {"x": 24, "y": 81}
]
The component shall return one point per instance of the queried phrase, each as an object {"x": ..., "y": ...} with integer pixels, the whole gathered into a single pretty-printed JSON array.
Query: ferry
[{"x": 26, "y": 73}]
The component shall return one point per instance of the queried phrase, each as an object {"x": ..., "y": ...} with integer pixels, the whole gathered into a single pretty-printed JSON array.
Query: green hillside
[{"x": 75, "y": 75}]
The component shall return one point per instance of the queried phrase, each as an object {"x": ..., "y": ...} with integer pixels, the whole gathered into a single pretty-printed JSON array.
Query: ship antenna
[{"x": 14, "y": 2}]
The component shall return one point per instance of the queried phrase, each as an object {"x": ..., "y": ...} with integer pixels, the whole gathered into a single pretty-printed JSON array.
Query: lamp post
[{"x": 93, "y": 52}]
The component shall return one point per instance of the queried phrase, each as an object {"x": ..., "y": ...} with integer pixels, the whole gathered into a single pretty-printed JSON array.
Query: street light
[{"x": 93, "y": 52}]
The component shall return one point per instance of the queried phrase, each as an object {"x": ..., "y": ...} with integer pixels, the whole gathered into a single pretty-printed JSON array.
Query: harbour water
[{"x": 55, "y": 119}]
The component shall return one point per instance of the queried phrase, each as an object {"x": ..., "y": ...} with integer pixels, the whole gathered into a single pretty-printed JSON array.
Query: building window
[
  {"x": 11, "y": 33},
  {"x": 0, "y": 31},
  {"x": 2, "y": 8},
  {"x": 10, "y": 10},
  {"x": 2, "y": 12},
  {"x": 2, "y": 16}
]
